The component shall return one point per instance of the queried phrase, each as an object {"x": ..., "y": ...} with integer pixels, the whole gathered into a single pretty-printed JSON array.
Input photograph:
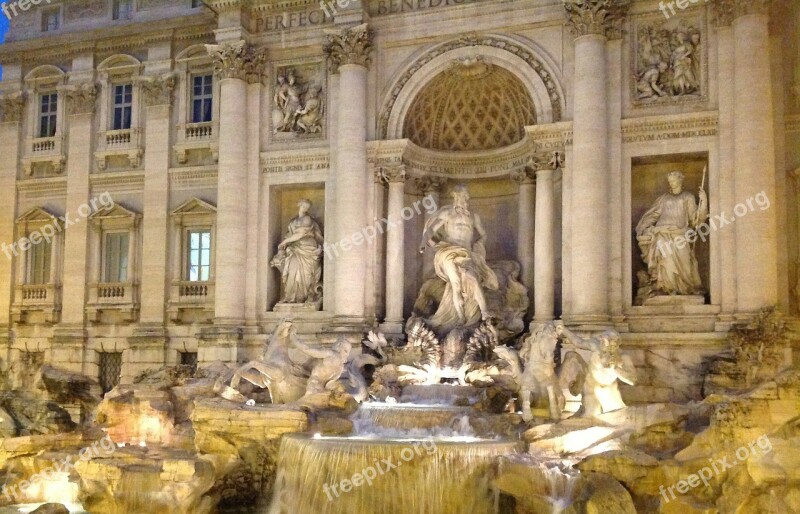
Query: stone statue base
[
  {"x": 298, "y": 307},
  {"x": 656, "y": 301}
]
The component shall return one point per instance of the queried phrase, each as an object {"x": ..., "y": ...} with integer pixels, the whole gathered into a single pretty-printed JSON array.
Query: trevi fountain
[{"x": 394, "y": 257}]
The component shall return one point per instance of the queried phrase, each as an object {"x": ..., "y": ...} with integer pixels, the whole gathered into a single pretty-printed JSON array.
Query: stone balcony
[
  {"x": 191, "y": 296},
  {"x": 195, "y": 137},
  {"x": 46, "y": 150},
  {"x": 36, "y": 298},
  {"x": 120, "y": 297},
  {"x": 119, "y": 143}
]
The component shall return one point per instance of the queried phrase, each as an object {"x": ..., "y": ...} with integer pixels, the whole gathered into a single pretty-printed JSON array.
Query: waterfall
[{"x": 327, "y": 475}]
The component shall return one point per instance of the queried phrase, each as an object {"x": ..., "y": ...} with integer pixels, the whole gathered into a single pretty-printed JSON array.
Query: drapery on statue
[
  {"x": 662, "y": 234},
  {"x": 299, "y": 258},
  {"x": 460, "y": 261}
]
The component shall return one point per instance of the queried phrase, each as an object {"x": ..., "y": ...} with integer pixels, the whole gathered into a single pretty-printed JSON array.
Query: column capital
[
  {"x": 12, "y": 105},
  {"x": 158, "y": 90},
  {"x": 393, "y": 174},
  {"x": 80, "y": 98},
  {"x": 603, "y": 17},
  {"x": 428, "y": 185},
  {"x": 349, "y": 46},
  {"x": 526, "y": 175},
  {"x": 725, "y": 11},
  {"x": 238, "y": 60}
]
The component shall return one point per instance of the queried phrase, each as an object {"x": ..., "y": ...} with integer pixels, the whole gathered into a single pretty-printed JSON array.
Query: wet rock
[
  {"x": 606, "y": 496},
  {"x": 33, "y": 415},
  {"x": 51, "y": 508}
]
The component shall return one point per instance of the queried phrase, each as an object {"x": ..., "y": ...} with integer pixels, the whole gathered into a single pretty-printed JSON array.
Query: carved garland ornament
[
  {"x": 473, "y": 40},
  {"x": 158, "y": 90},
  {"x": 12, "y": 106},
  {"x": 81, "y": 98},
  {"x": 351, "y": 46}
]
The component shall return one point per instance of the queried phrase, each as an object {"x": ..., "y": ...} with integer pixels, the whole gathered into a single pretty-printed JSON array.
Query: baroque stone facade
[{"x": 204, "y": 126}]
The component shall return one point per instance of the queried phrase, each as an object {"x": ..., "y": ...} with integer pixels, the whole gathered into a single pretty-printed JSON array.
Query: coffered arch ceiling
[{"x": 473, "y": 105}]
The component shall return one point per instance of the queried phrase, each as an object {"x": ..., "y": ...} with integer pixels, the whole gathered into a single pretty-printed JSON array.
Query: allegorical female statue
[
  {"x": 664, "y": 236},
  {"x": 299, "y": 258}
]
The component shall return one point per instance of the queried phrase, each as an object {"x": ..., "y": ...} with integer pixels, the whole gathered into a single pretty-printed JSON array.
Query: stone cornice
[
  {"x": 107, "y": 39},
  {"x": 603, "y": 17},
  {"x": 678, "y": 126},
  {"x": 349, "y": 46}
]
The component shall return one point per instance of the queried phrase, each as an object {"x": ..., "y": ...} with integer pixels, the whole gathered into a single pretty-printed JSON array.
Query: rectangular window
[
  {"x": 199, "y": 258},
  {"x": 202, "y": 98},
  {"x": 51, "y": 19},
  {"x": 123, "y": 103},
  {"x": 189, "y": 359},
  {"x": 39, "y": 263},
  {"x": 110, "y": 370},
  {"x": 116, "y": 257},
  {"x": 48, "y": 109},
  {"x": 123, "y": 9},
  {"x": 197, "y": 3}
]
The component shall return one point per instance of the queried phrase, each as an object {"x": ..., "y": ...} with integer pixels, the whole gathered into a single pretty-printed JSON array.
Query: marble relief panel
[
  {"x": 83, "y": 9},
  {"x": 298, "y": 104},
  {"x": 669, "y": 59}
]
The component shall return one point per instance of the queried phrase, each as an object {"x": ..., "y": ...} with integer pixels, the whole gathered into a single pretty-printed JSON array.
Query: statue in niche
[
  {"x": 597, "y": 381},
  {"x": 662, "y": 237},
  {"x": 469, "y": 307},
  {"x": 299, "y": 259},
  {"x": 458, "y": 236},
  {"x": 298, "y": 108},
  {"x": 667, "y": 62}
]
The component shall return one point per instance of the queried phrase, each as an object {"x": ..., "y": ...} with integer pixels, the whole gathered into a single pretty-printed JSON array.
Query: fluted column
[
  {"x": 157, "y": 95},
  {"x": 754, "y": 154},
  {"x": 232, "y": 61},
  {"x": 526, "y": 180},
  {"x": 12, "y": 107},
  {"x": 395, "y": 248},
  {"x": 589, "y": 21},
  {"x": 348, "y": 53},
  {"x": 545, "y": 243}
]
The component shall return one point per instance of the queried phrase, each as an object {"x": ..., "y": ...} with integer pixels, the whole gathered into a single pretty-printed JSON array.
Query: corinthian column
[
  {"x": 395, "y": 257},
  {"x": 526, "y": 179},
  {"x": 590, "y": 21},
  {"x": 233, "y": 62},
  {"x": 348, "y": 54},
  {"x": 754, "y": 156}
]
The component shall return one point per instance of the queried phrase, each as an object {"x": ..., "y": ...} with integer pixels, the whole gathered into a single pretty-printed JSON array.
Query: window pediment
[
  {"x": 115, "y": 216},
  {"x": 196, "y": 207},
  {"x": 37, "y": 217}
]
